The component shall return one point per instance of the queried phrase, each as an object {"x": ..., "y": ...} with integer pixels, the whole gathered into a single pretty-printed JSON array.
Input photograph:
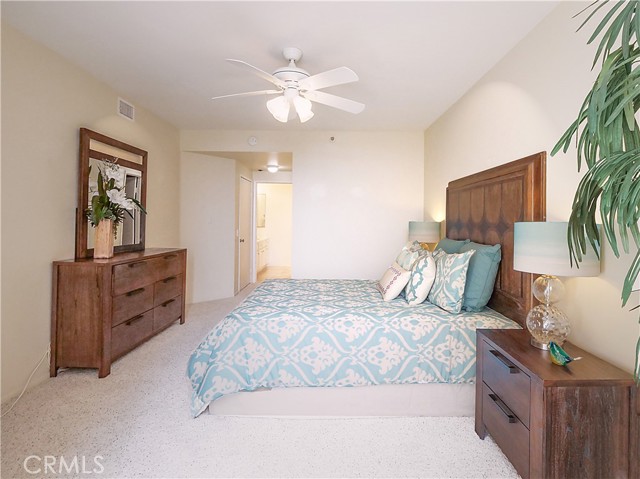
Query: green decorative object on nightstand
[{"x": 559, "y": 356}]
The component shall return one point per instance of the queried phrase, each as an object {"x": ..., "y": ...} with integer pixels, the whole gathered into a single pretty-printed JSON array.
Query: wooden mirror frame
[{"x": 86, "y": 153}]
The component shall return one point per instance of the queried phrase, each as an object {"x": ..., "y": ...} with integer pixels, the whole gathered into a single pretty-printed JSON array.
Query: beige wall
[
  {"x": 353, "y": 197},
  {"x": 45, "y": 100},
  {"x": 522, "y": 106}
]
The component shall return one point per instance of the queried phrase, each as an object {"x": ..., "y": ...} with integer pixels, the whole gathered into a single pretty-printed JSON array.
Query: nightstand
[{"x": 577, "y": 421}]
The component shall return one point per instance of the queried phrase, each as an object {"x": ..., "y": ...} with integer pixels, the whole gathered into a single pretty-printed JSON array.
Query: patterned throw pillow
[
  {"x": 451, "y": 275},
  {"x": 421, "y": 280},
  {"x": 393, "y": 281},
  {"x": 410, "y": 254}
]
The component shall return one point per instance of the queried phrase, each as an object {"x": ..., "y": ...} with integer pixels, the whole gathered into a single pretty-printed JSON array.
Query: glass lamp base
[
  {"x": 539, "y": 345},
  {"x": 547, "y": 323}
]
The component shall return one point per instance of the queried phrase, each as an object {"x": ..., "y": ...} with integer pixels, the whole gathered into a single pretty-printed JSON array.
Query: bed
[{"x": 294, "y": 347}]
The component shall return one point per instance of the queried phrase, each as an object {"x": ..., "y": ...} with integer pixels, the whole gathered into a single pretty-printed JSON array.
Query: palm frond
[{"x": 607, "y": 138}]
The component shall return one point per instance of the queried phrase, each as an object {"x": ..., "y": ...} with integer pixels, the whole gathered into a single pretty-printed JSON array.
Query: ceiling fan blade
[
  {"x": 249, "y": 93},
  {"x": 337, "y": 76},
  {"x": 334, "y": 101},
  {"x": 257, "y": 71}
]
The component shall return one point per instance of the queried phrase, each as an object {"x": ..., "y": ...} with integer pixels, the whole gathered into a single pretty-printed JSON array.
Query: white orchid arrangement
[{"x": 108, "y": 197}]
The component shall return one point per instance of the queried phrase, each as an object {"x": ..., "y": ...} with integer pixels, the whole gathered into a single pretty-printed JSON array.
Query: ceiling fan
[{"x": 297, "y": 88}]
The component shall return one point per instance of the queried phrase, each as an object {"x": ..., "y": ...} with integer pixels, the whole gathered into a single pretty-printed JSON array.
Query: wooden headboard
[{"x": 483, "y": 208}]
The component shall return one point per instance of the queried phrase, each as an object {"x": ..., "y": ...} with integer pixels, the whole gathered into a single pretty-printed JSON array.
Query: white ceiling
[{"x": 414, "y": 59}]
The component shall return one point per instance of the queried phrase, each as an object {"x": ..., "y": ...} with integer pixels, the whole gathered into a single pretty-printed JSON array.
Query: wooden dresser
[
  {"x": 102, "y": 309},
  {"x": 578, "y": 421}
]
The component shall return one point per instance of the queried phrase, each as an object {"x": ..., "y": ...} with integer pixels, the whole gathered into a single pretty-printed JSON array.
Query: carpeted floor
[{"x": 136, "y": 423}]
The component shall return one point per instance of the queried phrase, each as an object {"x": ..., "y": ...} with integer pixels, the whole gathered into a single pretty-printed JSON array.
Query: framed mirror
[{"x": 96, "y": 151}]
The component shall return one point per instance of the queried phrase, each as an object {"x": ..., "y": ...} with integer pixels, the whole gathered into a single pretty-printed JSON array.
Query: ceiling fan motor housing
[{"x": 291, "y": 74}]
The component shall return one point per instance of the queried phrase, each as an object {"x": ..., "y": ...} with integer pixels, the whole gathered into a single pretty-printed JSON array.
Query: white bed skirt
[{"x": 383, "y": 400}]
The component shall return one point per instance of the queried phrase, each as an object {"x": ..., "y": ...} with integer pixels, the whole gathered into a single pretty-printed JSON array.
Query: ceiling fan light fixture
[
  {"x": 292, "y": 82},
  {"x": 303, "y": 108},
  {"x": 279, "y": 108}
]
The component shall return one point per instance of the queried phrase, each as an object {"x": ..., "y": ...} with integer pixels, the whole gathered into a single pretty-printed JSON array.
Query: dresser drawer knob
[
  {"x": 168, "y": 280},
  {"x": 135, "y": 291},
  {"x": 167, "y": 303},
  {"x": 171, "y": 256},
  {"x": 133, "y": 320},
  {"x": 504, "y": 408},
  {"x": 139, "y": 263},
  {"x": 513, "y": 369}
]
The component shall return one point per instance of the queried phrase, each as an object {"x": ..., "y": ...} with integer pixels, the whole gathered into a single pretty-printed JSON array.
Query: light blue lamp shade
[
  {"x": 541, "y": 248},
  {"x": 424, "y": 231}
]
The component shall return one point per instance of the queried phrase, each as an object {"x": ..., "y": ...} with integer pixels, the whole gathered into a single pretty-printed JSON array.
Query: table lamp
[
  {"x": 541, "y": 248},
  {"x": 427, "y": 233}
]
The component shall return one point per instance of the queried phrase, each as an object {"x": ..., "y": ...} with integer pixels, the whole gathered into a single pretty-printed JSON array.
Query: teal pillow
[
  {"x": 481, "y": 277},
  {"x": 447, "y": 291},
  {"x": 451, "y": 246}
]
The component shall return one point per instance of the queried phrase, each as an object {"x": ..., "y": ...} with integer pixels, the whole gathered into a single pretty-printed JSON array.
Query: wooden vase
[{"x": 103, "y": 242}]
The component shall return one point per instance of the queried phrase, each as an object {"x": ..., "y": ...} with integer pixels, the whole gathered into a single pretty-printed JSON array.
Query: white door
[{"x": 244, "y": 233}]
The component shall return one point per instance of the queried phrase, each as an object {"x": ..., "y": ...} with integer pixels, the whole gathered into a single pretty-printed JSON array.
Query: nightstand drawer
[
  {"x": 510, "y": 383},
  {"x": 506, "y": 430}
]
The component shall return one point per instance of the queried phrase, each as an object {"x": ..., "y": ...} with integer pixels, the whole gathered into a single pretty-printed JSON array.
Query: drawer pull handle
[
  {"x": 513, "y": 369},
  {"x": 171, "y": 256},
  {"x": 167, "y": 303},
  {"x": 139, "y": 263},
  {"x": 503, "y": 407},
  {"x": 135, "y": 291},
  {"x": 172, "y": 278},
  {"x": 133, "y": 320}
]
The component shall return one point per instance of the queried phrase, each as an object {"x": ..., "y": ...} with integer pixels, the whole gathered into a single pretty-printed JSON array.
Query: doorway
[{"x": 274, "y": 219}]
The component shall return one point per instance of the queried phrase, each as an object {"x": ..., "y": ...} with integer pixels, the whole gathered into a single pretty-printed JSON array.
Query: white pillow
[
  {"x": 421, "y": 280},
  {"x": 393, "y": 281},
  {"x": 409, "y": 254}
]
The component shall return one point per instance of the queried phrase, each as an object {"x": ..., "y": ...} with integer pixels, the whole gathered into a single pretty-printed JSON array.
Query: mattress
[{"x": 333, "y": 333}]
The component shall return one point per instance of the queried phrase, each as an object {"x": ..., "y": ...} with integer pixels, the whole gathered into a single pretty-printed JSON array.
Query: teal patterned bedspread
[{"x": 291, "y": 333}]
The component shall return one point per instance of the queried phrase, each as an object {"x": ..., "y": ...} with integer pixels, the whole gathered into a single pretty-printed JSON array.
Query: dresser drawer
[
  {"x": 167, "y": 312},
  {"x": 507, "y": 381},
  {"x": 166, "y": 289},
  {"x": 134, "y": 275},
  {"x": 132, "y": 332},
  {"x": 168, "y": 265},
  {"x": 506, "y": 430},
  {"x": 131, "y": 304}
]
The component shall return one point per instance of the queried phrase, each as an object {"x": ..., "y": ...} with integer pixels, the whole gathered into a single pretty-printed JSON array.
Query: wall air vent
[{"x": 126, "y": 109}]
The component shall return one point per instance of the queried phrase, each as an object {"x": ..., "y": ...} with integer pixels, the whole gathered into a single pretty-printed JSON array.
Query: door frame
[{"x": 251, "y": 235}]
